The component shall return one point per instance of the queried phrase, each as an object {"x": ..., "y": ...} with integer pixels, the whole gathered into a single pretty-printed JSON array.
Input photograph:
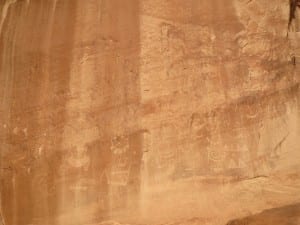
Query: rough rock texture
[
  {"x": 147, "y": 111},
  {"x": 288, "y": 215}
]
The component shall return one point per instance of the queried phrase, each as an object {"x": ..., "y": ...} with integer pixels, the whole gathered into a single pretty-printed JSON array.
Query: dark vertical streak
[{"x": 30, "y": 191}]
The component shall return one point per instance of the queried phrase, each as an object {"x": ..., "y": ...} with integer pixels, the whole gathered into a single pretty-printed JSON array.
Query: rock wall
[{"x": 147, "y": 111}]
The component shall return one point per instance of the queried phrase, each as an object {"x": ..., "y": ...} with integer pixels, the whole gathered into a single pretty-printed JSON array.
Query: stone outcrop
[
  {"x": 147, "y": 111},
  {"x": 284, "y": 215}
]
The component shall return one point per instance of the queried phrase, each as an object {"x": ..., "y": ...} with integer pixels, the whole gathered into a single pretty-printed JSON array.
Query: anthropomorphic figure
[{"x": 293, "y": 7}]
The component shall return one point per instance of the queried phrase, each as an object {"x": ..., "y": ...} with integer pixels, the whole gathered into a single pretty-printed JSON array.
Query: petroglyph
[{"x": 147, "y": 111}]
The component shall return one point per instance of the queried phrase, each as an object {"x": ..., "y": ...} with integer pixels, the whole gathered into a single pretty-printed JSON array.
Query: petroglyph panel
[{"x": 148, "y": 111}]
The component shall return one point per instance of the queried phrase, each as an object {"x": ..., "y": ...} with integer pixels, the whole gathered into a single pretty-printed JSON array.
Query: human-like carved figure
[{"x": 293, "y": 7}]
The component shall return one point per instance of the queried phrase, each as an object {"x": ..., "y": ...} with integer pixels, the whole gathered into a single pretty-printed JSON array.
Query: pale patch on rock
[
  {"x": 5, "y": 11},
  {"x": 16, "y": 130}
]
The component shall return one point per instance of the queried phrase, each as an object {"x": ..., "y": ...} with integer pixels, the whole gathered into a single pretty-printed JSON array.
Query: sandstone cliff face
[{"x": 147, "y": 111}]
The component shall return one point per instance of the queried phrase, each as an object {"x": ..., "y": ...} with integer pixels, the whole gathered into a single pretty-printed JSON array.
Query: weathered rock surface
[
  {"x": 147, "y": 111},
  {"x": 287, "y": 215}
]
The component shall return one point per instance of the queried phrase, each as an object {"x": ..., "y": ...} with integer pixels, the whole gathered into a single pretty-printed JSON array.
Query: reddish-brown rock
[{"x": 147, "y": 111}]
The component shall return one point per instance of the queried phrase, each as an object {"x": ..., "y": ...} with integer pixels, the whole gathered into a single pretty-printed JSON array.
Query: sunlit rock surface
[{"x": 147, "y": 111}]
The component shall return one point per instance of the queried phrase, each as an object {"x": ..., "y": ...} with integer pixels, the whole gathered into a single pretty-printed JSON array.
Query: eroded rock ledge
[{"x": 286, "y": 215}]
